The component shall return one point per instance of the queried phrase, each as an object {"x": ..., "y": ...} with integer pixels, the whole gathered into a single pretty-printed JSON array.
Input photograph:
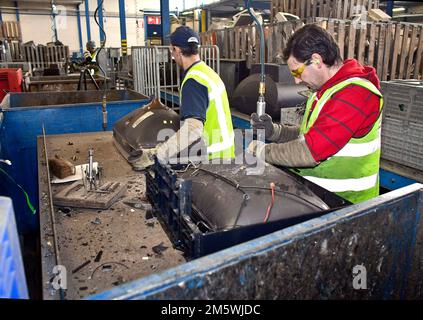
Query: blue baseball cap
[{"x": 183, "y": 36}]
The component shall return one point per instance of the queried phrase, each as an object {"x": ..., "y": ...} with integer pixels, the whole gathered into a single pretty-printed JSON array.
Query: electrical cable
[
  {"x": 227, "y": 180},
  {"x": 262, "y": 74},
  {"x": 28, "y": 202},
  {"x": 104, "y": 103},
  {"x": 245, "y": 196},
  {"x": 269, "y": 208},
  {"x": 104, "y": 34},
  {"x": 283, "y": 192}
]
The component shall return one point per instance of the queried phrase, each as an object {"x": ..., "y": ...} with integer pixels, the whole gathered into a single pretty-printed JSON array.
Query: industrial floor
[{"x": 99, "y": 248}]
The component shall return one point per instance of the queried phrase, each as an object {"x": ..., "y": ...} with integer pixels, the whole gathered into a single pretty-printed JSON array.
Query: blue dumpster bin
[
  {"x": 371, "y": 250},
  {"x": 12, "y": 275},
  {"x": 22, "y": 116}
]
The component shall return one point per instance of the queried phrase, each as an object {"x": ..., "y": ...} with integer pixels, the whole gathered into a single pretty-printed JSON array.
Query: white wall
[{"x": 38, "y": 28}]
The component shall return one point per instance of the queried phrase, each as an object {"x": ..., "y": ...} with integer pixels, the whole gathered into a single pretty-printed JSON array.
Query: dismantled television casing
[
  {"x": 211, "y": 207},
  {"x": 226, "y": 196},
  {"x": 139, "y": 129}
]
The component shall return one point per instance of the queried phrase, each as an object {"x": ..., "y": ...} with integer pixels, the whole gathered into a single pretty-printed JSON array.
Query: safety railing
[
  {"x": 156, "y": 74},
  {"x": 42, "y": 57}
]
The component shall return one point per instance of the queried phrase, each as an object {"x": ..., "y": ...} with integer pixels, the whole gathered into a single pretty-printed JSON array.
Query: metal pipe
[
  {"x": 171, "y": 75},
  {"x": 51, "y": 210},
  {"x": 90, "y": 166},
  {"x": 17, "y": 11},
  {"x": 87, "y": 20},
  {"x": 390, "y": 7},
  {"x": 165, "y": 26},
  {"x": 100, "y": 19},
  {"x": 164, "y": 71},
  {"x": 122, "y": 26},
  {"x": 78, "y": 19}
]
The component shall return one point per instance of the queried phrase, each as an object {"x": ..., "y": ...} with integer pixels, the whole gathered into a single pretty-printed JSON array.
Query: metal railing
[
  {"x": 211, "y": 56},
  {"x": 42, "y": 57},
  {"x": 156, "y": 73},
  {"x": 119, "y": 67},
  {"x": 146, "y": 70}
]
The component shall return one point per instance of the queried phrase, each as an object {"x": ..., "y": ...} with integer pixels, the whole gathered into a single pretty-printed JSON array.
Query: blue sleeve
[{"x": 195, "y": 100}]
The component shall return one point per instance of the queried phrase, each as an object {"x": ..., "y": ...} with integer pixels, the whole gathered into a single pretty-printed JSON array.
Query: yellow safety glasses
[{"x": 299, "y": 71}]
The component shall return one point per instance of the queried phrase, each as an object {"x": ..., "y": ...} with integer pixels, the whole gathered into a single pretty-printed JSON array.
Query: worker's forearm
[
  {"x": 294, "y": 153},
  {"x": 284, "y": 133},
  {"x": 191, "y": 131}
]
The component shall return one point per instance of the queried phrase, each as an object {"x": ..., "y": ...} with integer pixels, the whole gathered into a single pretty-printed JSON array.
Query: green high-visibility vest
[
  {"x": 353, "y": 172},
  {"x": 218, "y": 132},
  {"x": 94, "y": 60},
  {"x": 94, "y": 55}
]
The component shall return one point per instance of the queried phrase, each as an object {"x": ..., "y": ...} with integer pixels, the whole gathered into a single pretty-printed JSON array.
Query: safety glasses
[{"x": 299, "y": 71}]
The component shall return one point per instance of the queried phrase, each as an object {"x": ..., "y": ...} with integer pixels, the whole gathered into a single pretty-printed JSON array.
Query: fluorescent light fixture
[
  {"x": 187, "y": 12},
  {"x": 402, "y": 9}
]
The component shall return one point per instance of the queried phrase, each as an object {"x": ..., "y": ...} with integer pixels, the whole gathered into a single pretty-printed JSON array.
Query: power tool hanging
[
  {"x": 261, "y": 103},
  {"x": 104, "y": 100}
]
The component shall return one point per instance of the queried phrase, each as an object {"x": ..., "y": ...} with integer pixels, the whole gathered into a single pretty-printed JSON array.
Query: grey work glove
[
  {"x": 256, "y": 148},
  {"x": 145, "y": 161},
  {"x": 263, "y": 122}
]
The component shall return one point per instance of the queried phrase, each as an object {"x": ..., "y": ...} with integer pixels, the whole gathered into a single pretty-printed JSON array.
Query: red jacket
[{"x": 351, "y": 112}]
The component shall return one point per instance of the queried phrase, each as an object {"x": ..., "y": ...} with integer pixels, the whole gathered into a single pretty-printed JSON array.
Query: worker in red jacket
[{"x": 337, "y": 146}]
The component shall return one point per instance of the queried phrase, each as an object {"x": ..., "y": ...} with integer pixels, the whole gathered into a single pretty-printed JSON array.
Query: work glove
[
  {"x": 145, "y": 161},
  {"x": 162, "y": 153},
  {"x": 256, "y": 148},
  {"x": 263, "y": 122},
  {"x": 87, "y": 56}
]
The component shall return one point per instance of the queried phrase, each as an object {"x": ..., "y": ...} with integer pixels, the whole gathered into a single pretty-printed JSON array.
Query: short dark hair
[
  {"x": 190, "y": 50},
  {"x": 312, "y": 39}
]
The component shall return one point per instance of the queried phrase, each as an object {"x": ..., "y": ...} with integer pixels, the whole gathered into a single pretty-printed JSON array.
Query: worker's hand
[
  {"x": 146, "y": 160},
  {"x": 162, "y": 152},
  {"x": 262, "y": 122},
  {"x": 87, "y": 54},
  {"x": 256, "y": 148}
]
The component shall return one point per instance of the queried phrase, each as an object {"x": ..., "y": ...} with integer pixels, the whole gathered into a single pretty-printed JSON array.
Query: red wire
[{"x": 269, "y": 208}]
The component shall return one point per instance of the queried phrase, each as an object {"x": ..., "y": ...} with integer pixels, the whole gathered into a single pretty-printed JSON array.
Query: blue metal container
[
  {"x": 371, "y": 250},
  {"x": 12, "y": 275},
  {"x": 22, "y": 116}
]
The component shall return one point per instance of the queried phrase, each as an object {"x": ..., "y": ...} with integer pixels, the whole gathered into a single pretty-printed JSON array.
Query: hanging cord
[
  {"x": 104, "y": 110},
  {"x": 28, "y": 202},
  {"x": 260, "y": 27},
  {"x": 269, "y": 208},
  {"x": 53, "y": 22},
  {"x": 105, "y": 37}
]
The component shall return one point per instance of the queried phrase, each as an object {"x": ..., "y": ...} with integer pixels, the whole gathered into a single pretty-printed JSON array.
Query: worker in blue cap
[{"x": 204, "y": 106}]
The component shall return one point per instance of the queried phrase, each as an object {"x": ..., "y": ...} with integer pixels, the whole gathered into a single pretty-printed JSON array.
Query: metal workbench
[{"x": 133, "y": 244}]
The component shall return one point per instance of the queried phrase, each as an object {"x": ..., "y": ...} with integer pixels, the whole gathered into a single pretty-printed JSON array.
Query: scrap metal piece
[
  {"x": 77, "y": 196},
  {"x": 51, "y": 210},
  {"x": 81, "y": 266}
]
